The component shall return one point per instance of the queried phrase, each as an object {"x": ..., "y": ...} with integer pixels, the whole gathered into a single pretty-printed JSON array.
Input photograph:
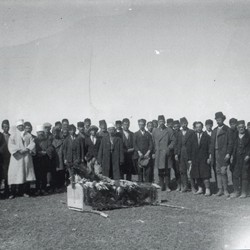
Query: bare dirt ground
[{"x": 47, "y": 223}]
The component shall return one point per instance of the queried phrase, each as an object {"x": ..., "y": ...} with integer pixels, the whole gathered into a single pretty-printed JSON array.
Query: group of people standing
[{"x": 50, "y": 158}]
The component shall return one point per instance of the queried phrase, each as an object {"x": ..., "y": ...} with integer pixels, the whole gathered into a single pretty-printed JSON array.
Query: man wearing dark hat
[
  {"x": 164, "y": 142},
  {"x": 184, "y": 140},
  {"x": 128, "y": 168},
  {"x": 143, "y": 146},
  {"x": 73, "y": 152},
  {"x": 47, "y": 130},
  {"x": 80, "y": 127},
  {"x": 110, "y": 154},
  {"x": 103, "y": 129},
  {"x": 209, "y": 127},
  {"x": 118, "y": 126},
  {"x": 65, "y": 123},
  {"x": 234, "y": 135},
  {"x": 241, "y": 156},
  {"x": 221, "y": 148},
  {"x": 92, "y": 144},
  {"x": 155, "y": 123},
  {"x": 150, "y": 127},
  {"x": 28, "y": 129},
  {"x": 4, "y": 156},
  {"x": 176, "y": 167},
  {"x": 87, "y": 124}
]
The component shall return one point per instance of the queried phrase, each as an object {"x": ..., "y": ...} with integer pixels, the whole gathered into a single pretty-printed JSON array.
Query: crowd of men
[{"x": 50, "y": 158}]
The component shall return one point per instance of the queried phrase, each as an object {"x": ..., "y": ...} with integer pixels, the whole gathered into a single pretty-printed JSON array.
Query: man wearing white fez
[
  {"x": 241, "y": 156},
  {"x": 221, "y": 148},
  {"x": 110, "y": 154},
  {"x": 164, "y": 142},
  {"x": 21, "y": 170}
]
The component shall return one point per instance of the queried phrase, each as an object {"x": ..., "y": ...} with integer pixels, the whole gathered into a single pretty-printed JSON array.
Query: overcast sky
[{"x": 115, "y": 59}]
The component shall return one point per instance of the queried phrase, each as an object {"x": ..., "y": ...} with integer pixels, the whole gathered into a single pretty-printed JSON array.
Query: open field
[{"x": 46, "y": 223}]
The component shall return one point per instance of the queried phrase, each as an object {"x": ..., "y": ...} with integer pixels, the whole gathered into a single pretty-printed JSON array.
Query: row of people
[{"x": 117, "y": 152}]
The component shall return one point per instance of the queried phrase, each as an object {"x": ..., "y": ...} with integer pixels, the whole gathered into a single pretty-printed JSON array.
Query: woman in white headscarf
[{"x": 21, "y": 170}]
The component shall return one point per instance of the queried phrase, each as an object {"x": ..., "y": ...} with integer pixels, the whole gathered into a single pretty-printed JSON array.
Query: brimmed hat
[
  {"x": 209, "y": 122},
  {"x": 143, "y": 161},
  {"x": 241, "y": 122},
  {"x": 233, "y": 121},
  {"x": 39, "y": 128},
  {"x": 19, "y": 122},
  {"x": 47, "y": 125},
  {"x": 80, "y": 124},
  {"x": 219, "y": 115},
  {"x": 183, "y": 120},
  {"x": 93, "y": 127},
  {"x": 118, "y": 122},
  {"x": 111, "y": 125},
  {"x": 72, "y": 126},
  {"x": 176, "y": 122},
  {"x": 170, "y": 120},
  {"x": 142, "y": 120},
  {"x": 161, "y": 117}
]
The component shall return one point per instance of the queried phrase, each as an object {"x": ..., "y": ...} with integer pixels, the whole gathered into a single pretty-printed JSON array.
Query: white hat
[
  {"x": 111, "y": 125},
  {"x": 19, "y": 122},
  {"x": 39, "y": 128}
]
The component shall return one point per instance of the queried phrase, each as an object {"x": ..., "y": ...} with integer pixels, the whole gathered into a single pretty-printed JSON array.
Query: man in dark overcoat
[
  {"x": 128, "y": 167},
  {"x": 198, "y": 155},
  {"x": 184, "y": 139},
  {"x": 110, "y": 154},
  {"x": 164, "y": 142},
  {"x": 241, "y": 156},
  {"x": 221, "y": 148},
  {"x": 143, "y": 146},
  {"x": 176, "y": 167}
]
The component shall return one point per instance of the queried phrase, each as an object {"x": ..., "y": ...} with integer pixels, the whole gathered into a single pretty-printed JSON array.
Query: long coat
[
  {"x": 21, "y": 167},
  {"x": 91, "y": 148},
  {"x": 59, "y": 160},
  {"x": 128, "y": 143},
  {"x": 164, "y": 141},
  {"x": 225, "y": 145},
  {"x": 108, "y": 159},
  {"x": 199, "y": 154},
  {"x": 183, "y": 147},
  {"x": 4, "y": 156},
  {"x": 142, "y": 143}
]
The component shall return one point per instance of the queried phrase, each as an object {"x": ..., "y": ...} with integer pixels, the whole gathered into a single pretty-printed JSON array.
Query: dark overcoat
[
  {"x": 4, "y": 157},
  {"x": 164, "y": 142},
  {"x": 111, "y": 156},
  {"x": 91, "y": 148},
  {"x": 199, "y": 154},
  {"x": 128, "y": 143},
  {"x": 225, "y": 145},
  {"x": 142, "y": 143},
  {"x": 184, "y": 142}
]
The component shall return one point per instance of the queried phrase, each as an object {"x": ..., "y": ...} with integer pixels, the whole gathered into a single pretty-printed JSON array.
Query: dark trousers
[
  {"x": 20, "y": 189},
  {"x": 59, "y": 178},
  {"x": 41, "y": 170}
]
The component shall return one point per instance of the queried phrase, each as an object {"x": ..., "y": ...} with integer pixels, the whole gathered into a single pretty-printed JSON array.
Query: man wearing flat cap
[
  {"x": 110, "y": 154},
  {"x": 87, "y": 124},
  {"x": 92, "y": 145},
  {"x": 221, "y": 148},
  {"x": 103, "y": 129},
  {"x": 80, "y": 127},
  {"x": 128, "y": 168},
  {"x": 155, "y": 123},
  {"x": 118, "y": 127},
  {"x": 164, "y": 142},
  {"x": 47, "y": 130},
  {"x": 143, "y": 146},
  {"x": 4, "y": 156},
  {"x": 241, "y": 156},
  {"x": 209, "y": 127},
  {"x": 184, "y": 141}
]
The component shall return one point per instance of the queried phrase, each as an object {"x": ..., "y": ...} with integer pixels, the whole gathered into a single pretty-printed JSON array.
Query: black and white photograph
[{"x": 124, "y": 124}]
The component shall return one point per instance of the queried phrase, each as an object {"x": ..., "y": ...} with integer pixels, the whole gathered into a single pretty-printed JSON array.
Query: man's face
[
  {"x": 65, "y": 125},
  {"x": 177, "y": 127},
  {"x": 65, "y": 133},
  {"x": 170, "y": 124},
  {"x": 111, "y": 131},
  {"x": 72, "y": 132},
  {"x": 47, "y": 129},
  {"x": 141, "y": 125},
  {"x": 103, "y": 127},
  {"x": 40, "y": 134},
  {"x": 198, "y": 127},
  {"x": 87, "y": 124},
  {"x": 233, "y": 126},
  {"x": 184, "y": 125},
  {"x": 28, "y": 129},
  {"x": 118, "y": 126},
  {"x": 81, "y": 129},
  {"x": 161, "y": 123},
  {"x": 20, "y": 128},
  {"x": 241, "y": 129},
  {"x": 155, "y": 124},
  {"x": 209, "y": 127},
  {"x": 150, "y": 127},
  {"x": 248, "y": 129},
  {"x": 59, "y": 125},
  {"x": 125, "y": 126},
  {"x": 93, "y": 132},
  {"x": 220, "y": 121},
  {"x": 5, "y": 128}
]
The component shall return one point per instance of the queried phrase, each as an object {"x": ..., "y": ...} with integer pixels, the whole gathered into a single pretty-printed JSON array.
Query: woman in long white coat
[{"x": 21, "y": 170}]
